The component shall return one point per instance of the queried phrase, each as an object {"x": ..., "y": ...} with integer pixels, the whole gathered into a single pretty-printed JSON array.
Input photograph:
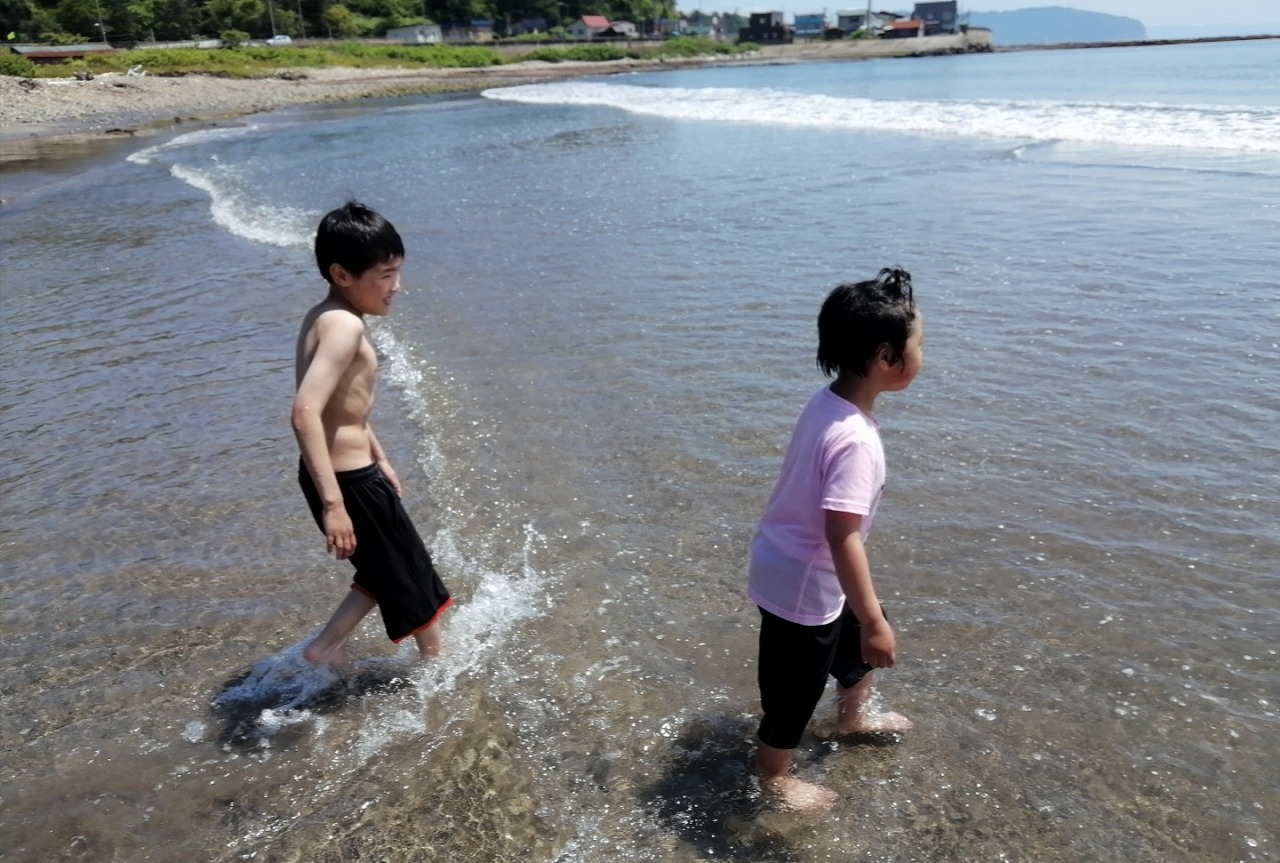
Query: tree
[
  {"x": 246, "y": 15},
  {"x": 79, "y": 17},
  {"x": 339, "y": 21}
]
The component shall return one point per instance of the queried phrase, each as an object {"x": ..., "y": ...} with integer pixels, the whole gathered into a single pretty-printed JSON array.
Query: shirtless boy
[{"x": 350, "y": 486}]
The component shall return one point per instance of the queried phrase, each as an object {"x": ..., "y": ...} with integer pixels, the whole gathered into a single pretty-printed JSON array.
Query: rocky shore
[{"x": 35, "y": 111}]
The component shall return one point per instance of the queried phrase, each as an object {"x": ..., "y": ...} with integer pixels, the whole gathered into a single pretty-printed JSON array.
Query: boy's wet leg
[
  {"x": 329, "y": 647},
  {"x": 854, "y": 716},
  {"x": 430, "y": 641}
]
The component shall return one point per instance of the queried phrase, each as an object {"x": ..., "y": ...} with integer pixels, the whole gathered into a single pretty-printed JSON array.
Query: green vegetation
[
  {"x": 126, "y": 22},
  {"x": 260, "y": 61},
  {"x": 682, "y": 46},
  {"x": 580, "y": 53},
  {"x": 263, "y": 61},
  {"x": 689, "y": 46},
  {"x": 19, "y": 67}
]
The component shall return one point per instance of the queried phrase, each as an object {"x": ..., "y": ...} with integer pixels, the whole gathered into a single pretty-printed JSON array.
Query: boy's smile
[{"x": 371, "y": 292}]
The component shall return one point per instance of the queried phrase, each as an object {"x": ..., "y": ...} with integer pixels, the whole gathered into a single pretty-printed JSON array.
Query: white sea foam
[
  {"x": 190, "y": 139},
  {"x": 235, "y": 209},
  {"x": 1237, "y": 128}
]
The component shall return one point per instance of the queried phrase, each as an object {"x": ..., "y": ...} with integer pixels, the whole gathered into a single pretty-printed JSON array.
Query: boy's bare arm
[
  {"x": 338, "y": 339},
  {"x": 384, "y": 464},
  {"x": 879, "y": 644}
]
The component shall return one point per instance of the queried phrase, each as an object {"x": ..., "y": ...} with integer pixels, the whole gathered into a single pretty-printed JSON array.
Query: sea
[{"x": 606, "y": 332}]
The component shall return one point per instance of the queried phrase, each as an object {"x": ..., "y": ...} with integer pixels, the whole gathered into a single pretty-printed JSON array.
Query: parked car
[{"x": 280, "y": 40}]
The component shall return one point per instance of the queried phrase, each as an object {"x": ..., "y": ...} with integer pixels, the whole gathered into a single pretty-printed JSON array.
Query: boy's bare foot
[
  {"x": 796, "y": 795},
  {"x": 337, "y": 658},
  {"x": 867, "y": 722}
]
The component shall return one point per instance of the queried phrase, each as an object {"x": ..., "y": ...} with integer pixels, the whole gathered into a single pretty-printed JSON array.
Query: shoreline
[{"x": 49, "y": 118}]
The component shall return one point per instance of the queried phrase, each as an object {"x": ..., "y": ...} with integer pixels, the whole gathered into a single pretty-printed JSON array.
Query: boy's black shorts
[
  {"x": 392, "y": 565},
  {"x": 794, "y": 663}
]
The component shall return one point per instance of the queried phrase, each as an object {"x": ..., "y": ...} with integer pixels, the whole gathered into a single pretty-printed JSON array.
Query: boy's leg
[
  {"x": 430, "y": 642},
  {"x": 329, "y": 646}
]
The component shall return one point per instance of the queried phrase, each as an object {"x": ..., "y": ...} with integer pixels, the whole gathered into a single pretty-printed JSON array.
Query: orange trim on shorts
[
  {"x": 439, "y": 611},
  {"x": 355, "y": 586}
]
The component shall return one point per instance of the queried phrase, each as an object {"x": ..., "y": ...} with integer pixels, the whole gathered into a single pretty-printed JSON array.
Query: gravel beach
[{"x": 36, "y": 114}]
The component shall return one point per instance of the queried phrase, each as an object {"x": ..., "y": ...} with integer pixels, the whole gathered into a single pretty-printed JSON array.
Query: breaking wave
[{"x": 1236, "y": 128}]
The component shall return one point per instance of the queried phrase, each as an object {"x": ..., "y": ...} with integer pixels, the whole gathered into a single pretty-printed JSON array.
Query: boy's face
[
  {"x": 901, "y": 375},
  {"x": 370, "y": 292}
]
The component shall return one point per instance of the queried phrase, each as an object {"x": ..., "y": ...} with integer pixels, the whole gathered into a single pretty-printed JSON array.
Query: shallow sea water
[{"x": 606, "y": 333}]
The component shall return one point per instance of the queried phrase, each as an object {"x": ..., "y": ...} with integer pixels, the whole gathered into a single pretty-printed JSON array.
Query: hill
[{"x": 1049, "y": 25}]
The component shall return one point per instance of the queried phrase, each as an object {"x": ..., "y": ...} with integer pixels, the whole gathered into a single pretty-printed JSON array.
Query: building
[
  {"x": 852, "y": 22},
  {"x": 587, "y": 26},
  {"x": 903, "y": 30},
  {"x": 529, "y": 26},
  {"x": 938, "y": 18},
  {"x": 669, "y": 27},
  {"x": 418, "y": 34},
  {"x": 766, "y": 28},
  {"x": 619, "y": 30},
  {"x": 59, "y": 53},
  {"x": 811, "y": 26},
  {"x": 470, "y": 32}
]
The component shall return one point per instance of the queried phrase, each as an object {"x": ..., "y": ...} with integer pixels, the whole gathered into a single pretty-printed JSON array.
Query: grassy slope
[{"x": 262, "y": 61}]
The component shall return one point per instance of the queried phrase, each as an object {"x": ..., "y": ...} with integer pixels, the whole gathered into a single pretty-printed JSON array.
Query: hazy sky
[{"x": 1153, "y": 13}]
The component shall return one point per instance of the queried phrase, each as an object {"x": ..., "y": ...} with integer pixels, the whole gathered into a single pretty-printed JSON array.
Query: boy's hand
[
  {"x": 339, "y": 533},
  {"x": 390, "y": 474},
  {"x": 879, "y": 645}
]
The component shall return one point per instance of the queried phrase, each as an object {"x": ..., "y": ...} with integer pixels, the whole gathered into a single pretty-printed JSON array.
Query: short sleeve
[{"x": 851, "y": 480}]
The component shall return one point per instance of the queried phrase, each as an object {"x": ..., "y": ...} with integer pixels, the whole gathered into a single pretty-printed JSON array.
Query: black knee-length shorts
[{"x": 392, "y": 564}]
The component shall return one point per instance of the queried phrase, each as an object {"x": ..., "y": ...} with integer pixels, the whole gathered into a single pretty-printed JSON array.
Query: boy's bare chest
[{"x": 363, "y": 370}]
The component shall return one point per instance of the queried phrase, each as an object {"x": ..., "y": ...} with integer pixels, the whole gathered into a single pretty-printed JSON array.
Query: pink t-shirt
[{"x": 834, "y": 462}]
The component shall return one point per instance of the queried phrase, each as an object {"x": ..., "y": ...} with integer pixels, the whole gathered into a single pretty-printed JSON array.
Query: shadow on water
[
  {"x": 708, "y": 797},
  {"x": 275, "y": 701}
]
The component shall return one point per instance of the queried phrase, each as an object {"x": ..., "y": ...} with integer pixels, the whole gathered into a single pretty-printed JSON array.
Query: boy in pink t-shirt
[{"x": 809, "y": 571}]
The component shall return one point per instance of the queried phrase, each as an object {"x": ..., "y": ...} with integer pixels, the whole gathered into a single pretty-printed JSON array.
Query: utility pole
[
  {"x": 101, "y": 28},
  {"x": 271, "y": 10}
]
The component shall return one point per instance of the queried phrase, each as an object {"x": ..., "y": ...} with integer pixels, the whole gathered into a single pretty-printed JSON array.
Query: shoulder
[
  {"x": 335, "y": 319},
  {"x": 331, "y": 324},
  {"x": 851, "y": 432}
]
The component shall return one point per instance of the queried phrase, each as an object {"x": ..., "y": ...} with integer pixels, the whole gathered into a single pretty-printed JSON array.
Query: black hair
[
  {"x": 357, "y": 238},
  {"x": 858, "y": 319}
]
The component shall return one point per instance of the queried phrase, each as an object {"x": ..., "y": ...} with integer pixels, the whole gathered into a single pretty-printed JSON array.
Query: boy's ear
[
  {"x": 884, "y": 354},
  {"x": 338, "y": 274}
]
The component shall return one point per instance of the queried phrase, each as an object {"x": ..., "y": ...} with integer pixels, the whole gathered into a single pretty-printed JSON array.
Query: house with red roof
[
  {"x": 903, "y": 30},
  {"x": 588, "y": 26}
]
